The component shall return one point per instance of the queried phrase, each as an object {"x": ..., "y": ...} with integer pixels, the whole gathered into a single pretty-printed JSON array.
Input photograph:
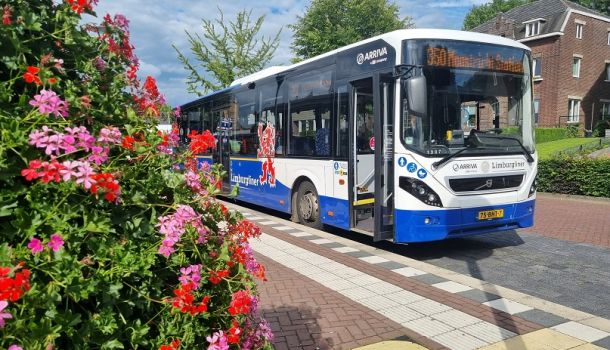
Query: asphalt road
[{"x": 568, "y": 273}]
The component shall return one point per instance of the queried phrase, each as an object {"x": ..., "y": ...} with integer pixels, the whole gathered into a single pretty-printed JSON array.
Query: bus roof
[
  {"x": 199, "y": 100},
  {"x": 392, "y": 37}
]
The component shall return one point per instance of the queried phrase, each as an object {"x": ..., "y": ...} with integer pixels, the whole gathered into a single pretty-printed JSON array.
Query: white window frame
[
  {"x": 579, "y": 30},
  {"x": 604, "y": 111},
  {"x": 576, "y": 63},
  {"x": 532, "y": 28},
  {"x": 537, "y": 62},
  {"x": 608, "y": 38},
  {"x": 573, "y": 110}
]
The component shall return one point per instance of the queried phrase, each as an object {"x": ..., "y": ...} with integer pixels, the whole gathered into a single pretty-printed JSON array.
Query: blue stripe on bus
[
  {"x": 339, "y": 209},
  {"x": 247, "y": 174},
  {"x": 450, "y": 223}
]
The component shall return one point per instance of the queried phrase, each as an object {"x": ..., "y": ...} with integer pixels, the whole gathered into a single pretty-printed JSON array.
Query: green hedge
[
  {"x": 550, "y": 134},
  {"x": 542, "y": 134},
  {"x": 580, "y": 176}
]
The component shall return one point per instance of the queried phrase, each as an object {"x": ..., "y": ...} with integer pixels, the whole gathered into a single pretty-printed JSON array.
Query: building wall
[
  {"x": 546, "y": 87},
  {"x": 590, "y": 86},
  {"x": 557, "y": 84}
]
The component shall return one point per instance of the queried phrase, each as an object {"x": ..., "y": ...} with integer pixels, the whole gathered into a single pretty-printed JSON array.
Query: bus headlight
[
  {"x": 420, "y": 190},
  {"x": 534, "y": 186}
]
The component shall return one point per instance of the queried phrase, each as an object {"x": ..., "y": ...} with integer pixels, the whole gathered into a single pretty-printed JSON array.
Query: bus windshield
[{"x": 470, "y": 88}]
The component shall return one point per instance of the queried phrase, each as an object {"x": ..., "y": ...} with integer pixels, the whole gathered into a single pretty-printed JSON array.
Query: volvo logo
[{"x": 488, "y": 184}]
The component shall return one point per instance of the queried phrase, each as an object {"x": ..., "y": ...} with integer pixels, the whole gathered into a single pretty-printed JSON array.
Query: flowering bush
[{"x": 105, "y": 242}]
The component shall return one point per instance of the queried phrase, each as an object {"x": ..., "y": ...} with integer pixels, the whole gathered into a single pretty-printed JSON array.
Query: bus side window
[{"x": 309, "y": 115}]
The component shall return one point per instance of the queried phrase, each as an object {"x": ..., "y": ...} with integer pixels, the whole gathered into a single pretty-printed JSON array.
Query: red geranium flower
[
  {"x": 128, "y": 142},
  {"x": 31, "y": 75},
  {"x": 174, "y": 345},
  {"x": 200, "y": 143},
  {"x": 241, "y": 303},
  {"x": 217, "y": 276},
  {"x": 234, "y": 333},
  {"x": 6, "y": 15}
]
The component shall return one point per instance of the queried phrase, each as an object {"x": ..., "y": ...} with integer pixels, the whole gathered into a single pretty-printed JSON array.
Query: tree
[
  {"x": 227, "y": 52},
  {"x": 329, "y": 24},
  {"x": 483, "y": 13}
]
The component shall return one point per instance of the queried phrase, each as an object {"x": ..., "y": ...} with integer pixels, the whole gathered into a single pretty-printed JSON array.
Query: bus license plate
[{"x": 491, "y": 214}]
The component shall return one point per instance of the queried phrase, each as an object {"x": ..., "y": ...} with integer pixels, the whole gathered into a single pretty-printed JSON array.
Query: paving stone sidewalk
[
  {"x": 325, "y": 294},
  {"x": 572, "y": 218}
]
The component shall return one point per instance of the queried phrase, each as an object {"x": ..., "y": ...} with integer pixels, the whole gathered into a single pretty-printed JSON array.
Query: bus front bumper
[{"x": 432, "y": 225}]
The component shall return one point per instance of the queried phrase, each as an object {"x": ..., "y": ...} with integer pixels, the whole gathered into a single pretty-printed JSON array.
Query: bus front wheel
[{"x": 308, "y": 205}]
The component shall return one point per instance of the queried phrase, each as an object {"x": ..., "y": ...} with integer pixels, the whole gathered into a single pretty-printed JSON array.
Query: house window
[
  {"x": 536, "y": 110},
  {"x": 576, "y": 67},
  {"x": 579, "y": 31},
  {"x": 573, "y": 110},
  {"x": 605, "y": 110},
  {"x": 532, "y": 28},
  {"x": 607, "y": 75},
  {"x": 537, "y": 63},
  {"x": 608, "y": 38}
]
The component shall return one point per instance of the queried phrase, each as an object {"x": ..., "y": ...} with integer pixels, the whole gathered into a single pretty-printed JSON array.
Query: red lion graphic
[{"x": 266, "y": 149}]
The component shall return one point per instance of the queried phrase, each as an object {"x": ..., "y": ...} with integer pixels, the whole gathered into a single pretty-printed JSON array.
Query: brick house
[{"x": 571, "y": 59}]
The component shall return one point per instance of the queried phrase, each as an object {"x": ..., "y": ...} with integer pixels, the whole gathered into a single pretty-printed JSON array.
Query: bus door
[
  {"x": 372, "y": 156},
  {"x": 362, "y": 155},
  {"x": 384, "y": 157},
  {"x": 221, "y": 154}
]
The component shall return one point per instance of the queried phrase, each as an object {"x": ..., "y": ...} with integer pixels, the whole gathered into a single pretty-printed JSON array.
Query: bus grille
[{"x": 489, "y": 183}]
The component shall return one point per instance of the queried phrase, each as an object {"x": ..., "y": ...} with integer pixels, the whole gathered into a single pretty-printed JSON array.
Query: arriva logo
[
  {"x": 467, "y": 166},
  {"x": 372, "y": 56}
]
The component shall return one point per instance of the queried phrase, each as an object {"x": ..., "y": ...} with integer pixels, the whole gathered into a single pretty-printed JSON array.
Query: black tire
[{"x": 308, "y": 205}]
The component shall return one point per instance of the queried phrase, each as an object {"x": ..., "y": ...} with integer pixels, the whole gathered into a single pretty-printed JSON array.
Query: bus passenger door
[
  {"x": 223, "y": 147},
  {"x": 362, "y": 155},
  {"x": 384, "y": 157}
]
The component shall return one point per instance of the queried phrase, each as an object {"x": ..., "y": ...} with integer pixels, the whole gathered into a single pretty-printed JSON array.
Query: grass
[{"x": 548, "y": 149}]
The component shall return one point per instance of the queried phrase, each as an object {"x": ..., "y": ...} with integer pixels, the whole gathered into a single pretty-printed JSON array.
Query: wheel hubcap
[{"x": 308, "y": 206}]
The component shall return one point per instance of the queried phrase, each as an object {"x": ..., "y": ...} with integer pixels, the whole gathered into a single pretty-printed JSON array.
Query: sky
[{"x": 157, "y": 25}]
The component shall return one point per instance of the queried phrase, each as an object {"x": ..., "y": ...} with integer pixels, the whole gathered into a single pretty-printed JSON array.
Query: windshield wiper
[
  {"x": 475, "y": 142},
  {"x": 438, "y": 163},
  {"x": 477, "y": 139}
]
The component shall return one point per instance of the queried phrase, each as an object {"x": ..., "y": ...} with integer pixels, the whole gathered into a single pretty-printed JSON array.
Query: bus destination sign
[{"x": 444, "y": 57}]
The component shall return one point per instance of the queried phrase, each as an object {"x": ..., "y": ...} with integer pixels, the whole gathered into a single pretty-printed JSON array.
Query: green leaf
[
  {"x": 113, "y": 344},
  {"x": 7, "y": 210}
]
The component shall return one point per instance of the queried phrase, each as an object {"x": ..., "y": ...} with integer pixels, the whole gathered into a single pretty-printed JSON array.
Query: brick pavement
[
  {"x": 304, "y": 314},
  {"x": 572, "y": 218},
  {"x": 309, "y": 313}
]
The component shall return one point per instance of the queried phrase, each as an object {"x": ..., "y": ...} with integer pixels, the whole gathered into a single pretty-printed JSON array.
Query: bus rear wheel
[{"x": 308, "y": 205}]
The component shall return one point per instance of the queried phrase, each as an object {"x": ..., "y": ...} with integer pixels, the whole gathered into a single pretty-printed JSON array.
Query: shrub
[
  {"x": 579, "y": 176},
  {"x": 550, "y": 134},
  {"x": 600, "y": 128},
  {"x": 105, "y": 244},
  {"x": 572, "y": 130}
]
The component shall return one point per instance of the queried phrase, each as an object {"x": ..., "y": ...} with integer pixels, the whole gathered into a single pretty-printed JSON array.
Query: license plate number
[{"x": 491, "y": 214}]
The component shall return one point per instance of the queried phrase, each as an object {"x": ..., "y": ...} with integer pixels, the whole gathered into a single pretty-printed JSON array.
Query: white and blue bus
[{"x": 415, "y": 135}]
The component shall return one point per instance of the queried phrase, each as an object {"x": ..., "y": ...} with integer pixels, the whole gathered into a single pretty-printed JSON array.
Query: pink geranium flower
[
  {"x": 49, "y": 103},
  {"x": 56, "y": 242},
  {"x": 35, "y": 245},
  {"x": 218, "y": 341},
  {"x": 4, "y": 315},
  {"x": 15, "y": 347},
  {"x": 83, "y": 176}
]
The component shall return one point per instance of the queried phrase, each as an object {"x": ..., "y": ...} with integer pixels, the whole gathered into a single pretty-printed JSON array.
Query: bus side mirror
[{"x": 417, "y": 95}]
